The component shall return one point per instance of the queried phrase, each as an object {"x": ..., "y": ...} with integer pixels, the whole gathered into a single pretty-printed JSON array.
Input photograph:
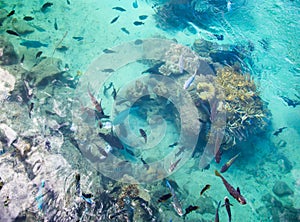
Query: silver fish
[
  {"x": 190, "y": 80},
  {"x": 176, "y": 204}
]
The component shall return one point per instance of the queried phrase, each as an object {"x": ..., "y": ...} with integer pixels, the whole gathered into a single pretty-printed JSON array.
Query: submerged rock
[
  {"x": 7, "y": 134},
  {"x": 8, "y": 56},
  {"x": 7, "y": 84},
  {"x": 282, "y": 189},
  {"x": 22, "y": 27}
]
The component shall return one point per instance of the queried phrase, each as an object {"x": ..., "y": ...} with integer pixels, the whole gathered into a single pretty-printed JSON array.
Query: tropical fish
[
  {"x": 114, "y": 19},
  {"x": 137, "y": 23},
  {"x": 28, "y": 18},
  {"x": 47, "y": 145},
  {"x": 217, "y": 219},
  {"x": 164, "y": 197},
  {"x": 88, "y": 200},
  {"x": 45, "y": 6},
  {"x": 125, "y": 30},
  {"x": 78, "y": 38},
  {"x": 143, "y": 134},
  {"x": 32, "y": 44},
  {"x": 173, "y": 144},
  {"x": 176, "y": 204},
  {"x": 108, "y": 51},
  {"x": 190, "y": 80},
  {"x": 207, "y": 186},
  {"x": 38, "y": 54},
  {"x": 11, "y": 13},
  {"x": 218, "y": 155},
  {"x": 227, "y": 204},
  {"x": 277, "y": 132},
  {"x": 229, "y": 163},
  {"x": 11, "y": 32},
  {"x": 233, "y": 192},
  {"x": 119, "y": 9},
  {"x": 180, "y": 151},
  {"x": 143, "y": 17},
  {"x": 174, "y": 165},
  {"x": 87, "y": 195},
  {"x": 95, "y": 102},
  {"x": 135, "y": 4},
  {"x": 189, "y": 209}
]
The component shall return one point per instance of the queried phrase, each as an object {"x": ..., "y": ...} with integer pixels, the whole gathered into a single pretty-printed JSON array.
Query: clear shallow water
[{"x": 61, "y": 138}]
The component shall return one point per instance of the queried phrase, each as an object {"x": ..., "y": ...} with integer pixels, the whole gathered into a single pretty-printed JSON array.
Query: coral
[
  {"x": 138, "y": 90},
  {"x": 205, "y": 90},
  {"x": 130, "y": 191}
]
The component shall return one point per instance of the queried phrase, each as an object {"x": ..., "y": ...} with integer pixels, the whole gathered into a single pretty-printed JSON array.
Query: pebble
[{"x": 282, "y": 189}]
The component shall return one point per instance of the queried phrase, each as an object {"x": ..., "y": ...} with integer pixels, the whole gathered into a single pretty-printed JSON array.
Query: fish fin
[
  {"x": 217, "y": 173},
  {"x": 238, "y": 190}
]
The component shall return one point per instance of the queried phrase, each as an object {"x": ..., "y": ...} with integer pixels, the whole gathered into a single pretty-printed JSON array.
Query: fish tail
[{"x": 217, "y": 174}]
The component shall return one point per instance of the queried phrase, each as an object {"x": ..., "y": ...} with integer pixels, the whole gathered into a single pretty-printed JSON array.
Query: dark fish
[
  {"x": 180, "y": 151},
  {"x": 143, "y": 134},
  {"x": 55, "y": 25},
  {"x": 45, "y": 6},
  {"x": 138, "y": 42},
  {"x": 30, "y": 109},
  {"x": 78, "y": 38},
  {"x": 11, "y": 32},
  {"x": 189, "y": 209},
  {"x": 22, "y": 59},
  {"x": 119, "y": 9},
  {"x": 114, "y": 19},
  {"x": 227, "y": 204},
  {"x": 77, "y": 183},
  {"x": 219, "y": 37},
  {"x": 164, "y": 197},
  {"x": 217, "y": 219},
  {"x": 154, "y": 69},
  {"x": 62, "y": 48},
  {"x": 87, "y": 195},
  {"x": 233, "y": 192},
  {"x": 106, "y": 88},
  {"x": 107, "y": 70},
  {"x": 137, "y": 23},
  {"x": 33, "y": 44},
  {"x": 114, "y": 93},
  {"x": 229, "y": 163},
  {"x": 39, "y": 53},
  {"x": 68, "y": 2},
  {"x": 145, "y": 163},
  {"x": 143, "y": 17},
  {"x": 277, "y": 132},
  {"x": 135, "y": 4},
  {"x": 11, "y": 13},
  {"x": 28, "y": 18},
  {"x": 218, "y": 155},
  {"x": 108, "y": 51},
  {"x": 112, "y": 140},
  {"x": 291, "y": 102},
  {"x": 125, "y": 30},
  {"x": 174, "y": 165},
  {"x": 173, "y": 144},
  {"x": 207, "y": 186}
]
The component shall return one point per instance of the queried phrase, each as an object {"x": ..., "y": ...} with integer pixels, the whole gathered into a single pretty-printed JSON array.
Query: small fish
[
  {"x": 277, "y": 132},
  {"x": 173, "y": 144},
  {"x": 227, "y": 204},
  {"x": 138, "y": 42},
  {"x": 143, "y": 17},
  {"x": 114, "y": 19},
  {"x": 11, "y": 13},
  {"x": 135, "y": 4},
  {"x": 88, "y": 200},
  {"x": 137, "y": 23},
  {"x": 176, "y": 204},
  {"x": 108, "y": 51},
  {"x": 68, "y": 2},
  {"x": 219, "y": 37},
  {"x": 164, "y": 197},
  {"x": 11, "y": 32},
  {"x": 125, "y": 30},
  {"x": 229, "y": 3},
  {"x": 189, "y": 209},
  {"x": 30, "y": 109},
  {"x": 87, "y": 195},
  {"x": 106, "y": 88},
  {"x": 47, "y": 145},
  {"x": 33, "y": 44},
  {"x": 39, "y": 53},
  {"x": 114, "y": 93},
  {"x": 290, "y": 102},
  {"x": 62, "y": 48},
  {"x": 233, "y": 192},
  {"x": 218, "y": 155},
  {"x": 145, "y": 163},
  {"x": 55, "y": 24},
  {"x": 207, "y": 186},
  {"x": 95, "y": 102},
  {"x": 190, "y": 80},
  {"x": 78, "y": 38},
  {"x": 119, "y": 9},
  {"x": 107, "y": 70},
  {"x": 229, "y": 163},
  {"x": 143, "y": 134},
  {"x": 77, "y": 183},
  {"x": 22, "y": 60},
  {"x": 180, "y": 151},
  {"x": 217, "y": 219},
  {"x": 174, "y": 165},
  {"x": 45, "y": 6},
  {"x": 28, "y": 18}
]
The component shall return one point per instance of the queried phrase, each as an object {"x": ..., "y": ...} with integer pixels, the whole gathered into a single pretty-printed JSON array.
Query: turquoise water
[{"x": 179, "y": 82}]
